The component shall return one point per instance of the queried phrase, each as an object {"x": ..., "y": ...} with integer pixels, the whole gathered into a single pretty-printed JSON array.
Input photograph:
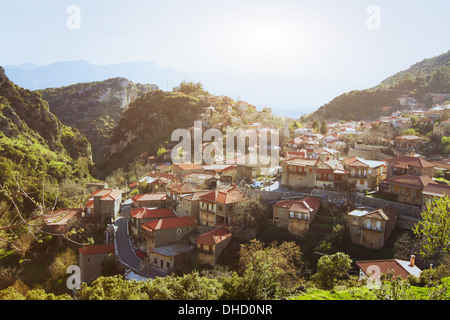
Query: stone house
[
  {"x": 90, "y": 260},
  {"x": 299, "y": 172},
  {"x": 163, "y": 232},
  {"x": 326, "y": 154},
  {"x": 165, "y": 258},
  {"x": 296, "y": 215},
  {"x": 140, "y": 216},
  {"x": 150, "y": 200},
  {"x": 416, "y": 166},
  {"x": 180, "y": 169},
  {"x": 189, "y": 204},
  {"x": 442, "y": 129},
  {"x": 409, "y": 143},
  {"x": 217, "y": 207},
  {"x": 432, "y": 191},
  {"x": 227, "y": 173},
  {"x": 365, "y": 174},
  {"x": 105, "y": 204},
  {"x": 201, "y": 180},
  {"x": 331, "y": 174},
  {"x": 408, "y": 188},
  {"x": 371, "y": 228},
  {"x": 175, "y": 190},
  {"x": 211, "y": 244}
]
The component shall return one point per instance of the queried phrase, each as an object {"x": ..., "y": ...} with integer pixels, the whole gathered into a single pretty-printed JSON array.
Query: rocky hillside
[
  {"x": 428, "y": 76},
  {"x": 147, "y": 125},
  {"x": 94, "y": 108},
  {"x": 34, "y": 145}
]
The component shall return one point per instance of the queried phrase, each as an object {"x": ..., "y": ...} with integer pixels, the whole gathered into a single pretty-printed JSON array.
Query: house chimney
[{"x": 412, "y": 261}]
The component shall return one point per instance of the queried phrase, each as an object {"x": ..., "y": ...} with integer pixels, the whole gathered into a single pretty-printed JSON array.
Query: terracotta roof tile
[
  {"x": 214, "y": 237},
  {"x": 305, "y": 205},
  {"x": 411, "y": 181},
  {"x": 170, "y": 223},
  {"x": 398, "y": 267},
  {"x": 224, "y": 196},
  {"x": 149, "y": 197},
  {"x": 152, "y": 213},
  {"x": 97, "y": 249},
  {"x": 406, "y": 161}
]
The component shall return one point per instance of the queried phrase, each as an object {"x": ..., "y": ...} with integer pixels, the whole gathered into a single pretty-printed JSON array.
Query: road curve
[{"x": 124, "y": 249}]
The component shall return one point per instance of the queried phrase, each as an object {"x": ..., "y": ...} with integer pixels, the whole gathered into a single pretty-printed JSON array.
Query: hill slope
[
  {"x": 146, "y": 126},
  {"x": 34, "y": 143},
  {"x": 428, "y": 76},
  {"x": 94, "y": 108}
]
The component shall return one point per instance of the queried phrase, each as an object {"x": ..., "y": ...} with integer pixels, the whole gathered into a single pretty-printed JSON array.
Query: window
[
  {"x": 178, "y": 231},
  {"x": 355, "y": 220},
  {"x": 310, "y": 170},
  {"x": 220, "y": 208},
  {"x": 155, "y": 261},
  {"x": 168, "y": 265}
]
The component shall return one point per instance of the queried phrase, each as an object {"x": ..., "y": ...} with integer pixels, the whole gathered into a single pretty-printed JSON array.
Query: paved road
[{"x": 124, "y": 248}]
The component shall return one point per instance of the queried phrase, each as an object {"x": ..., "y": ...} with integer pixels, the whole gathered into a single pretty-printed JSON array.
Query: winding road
[{"x": 124, "y": 249}]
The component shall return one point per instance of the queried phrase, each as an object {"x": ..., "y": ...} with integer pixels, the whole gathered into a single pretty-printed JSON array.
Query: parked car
[{"x": 141, "y": 254}]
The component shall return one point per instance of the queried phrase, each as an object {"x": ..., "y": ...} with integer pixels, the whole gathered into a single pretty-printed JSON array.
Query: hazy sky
[{"x": 323, "y": 37}]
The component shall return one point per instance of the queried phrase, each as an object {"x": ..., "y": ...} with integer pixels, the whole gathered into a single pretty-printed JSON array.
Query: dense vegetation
[
  {"x": 147, "y": 125},
  {"x": 35, "y": 147},
  {"x": 428, "y": 76}
]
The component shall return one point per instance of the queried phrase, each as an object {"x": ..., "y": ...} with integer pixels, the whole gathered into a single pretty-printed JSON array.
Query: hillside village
[{"x": 373, "y": 177}]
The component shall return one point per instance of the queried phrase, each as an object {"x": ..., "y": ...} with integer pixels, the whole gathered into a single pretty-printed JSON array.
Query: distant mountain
[
  {"x": 428, "y": 76},
  {"x": 35, "y": 146},
  {"x": 94, "y": 108},
  {"x": 287, "y": 95}
]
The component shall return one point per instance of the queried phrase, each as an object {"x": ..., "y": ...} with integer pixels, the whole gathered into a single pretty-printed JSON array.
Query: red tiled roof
[
  {"x": 406, "y": 161},
  {"x": 305, "y": 205},
  {"x": 149, "y": 197},
  {"x": 302, "y": 162},
  {"x": 169, "y": 223},
  {"x": 108, "y": 194},
  {"x": 90, "y": 204},
  {"x": 408, "y": 180},
  {"x": 97, "y": 249},
  {"x": 384, "y": 213},
  {"x": 436, "y": 190},
  {"x": 225, "y": 196},
  {"x": 152, "y": 213},
  {"x": 385, "y": 266},
  {"x": 188, "y": 166},
  {"x": 214, "y": 237}
]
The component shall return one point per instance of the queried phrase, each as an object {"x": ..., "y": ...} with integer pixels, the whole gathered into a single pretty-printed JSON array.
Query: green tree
[
  {"x": 161, "y": 151},
  {"x": 330, "y": 267},
  {"x": 267, "y": 271},
  {"x": 323, "y": 127},
  {"x": 248, "y": 214},
  {"x": 434, "y": 228},
  {"x": 190, "y": 88},
  {"x": 316, "y": 124}
]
